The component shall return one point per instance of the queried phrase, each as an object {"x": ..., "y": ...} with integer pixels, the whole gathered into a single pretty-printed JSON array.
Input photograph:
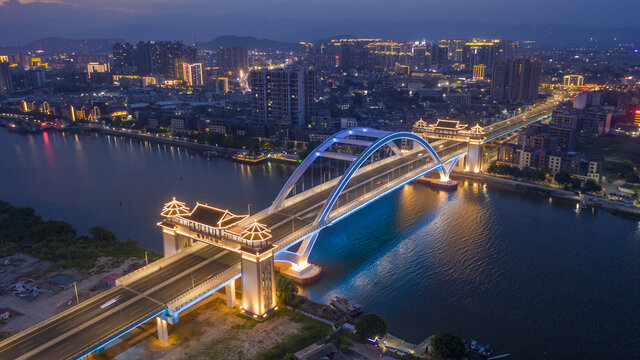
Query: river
[{"x": 532, "y": 276}]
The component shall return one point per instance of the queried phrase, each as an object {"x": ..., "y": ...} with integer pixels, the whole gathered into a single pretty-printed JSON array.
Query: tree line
[{"x": 22, "y": 230}]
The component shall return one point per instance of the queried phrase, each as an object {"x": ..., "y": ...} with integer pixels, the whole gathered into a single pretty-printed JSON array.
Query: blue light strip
[
  {"x": 199, "y": 298},
  {"x": 386, "y": 193},
  {"x": 519, "y": 127},
  {"x": 120, "y": 335},
  {"x": 362, "y": 158},
  {"x": 436, "y": 167}
]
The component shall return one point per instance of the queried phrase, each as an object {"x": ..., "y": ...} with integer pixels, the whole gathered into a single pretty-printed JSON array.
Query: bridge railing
[
  {"x": 364, "y": 199},
  {"x": 325, "y": 185},
  {"x": 208, "y": 286},
  {"x": 156, "y": 265}
]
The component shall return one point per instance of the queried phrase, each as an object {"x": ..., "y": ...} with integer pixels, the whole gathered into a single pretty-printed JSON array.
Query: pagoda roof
[
  {"x": 211, "y": 216},
  {"x": 449, "y": 124},
  {"x": 174, "y": 208},
  {"x": 256, "y": 232}
]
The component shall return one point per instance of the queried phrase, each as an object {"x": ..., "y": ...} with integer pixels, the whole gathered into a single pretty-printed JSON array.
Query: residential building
[
  {"x": 516, "y": 80},
  {"x": 234, "y": 60},
  {"x": 6, "y": 83},
  {"x": 282, "y": 97},
  {"x": 192, "y": 74},
  {"x": 479, "y": 71}
]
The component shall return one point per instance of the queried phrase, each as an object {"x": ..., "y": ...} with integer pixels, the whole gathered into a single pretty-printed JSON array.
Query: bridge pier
[
  {"x": 173, "y": 243},
  {"x": 230, "y": 292},
  {"x": 474, "y": 156},
  {"x": 163, "y": 329},
  {"x": 295, "y": 265},
  {"x": 258, "y": 281}
]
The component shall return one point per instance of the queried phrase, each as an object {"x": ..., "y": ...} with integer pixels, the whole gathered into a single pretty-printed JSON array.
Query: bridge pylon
[
  {"x": 258, "y": 272},
  {"x": 474, "y": 156},
  {"x": 295, "y": 265}
]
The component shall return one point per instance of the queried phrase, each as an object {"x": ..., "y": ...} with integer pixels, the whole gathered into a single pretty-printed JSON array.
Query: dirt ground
[
  {"x": 209, "y": 331},
  {"x": 47, "y": 304}
]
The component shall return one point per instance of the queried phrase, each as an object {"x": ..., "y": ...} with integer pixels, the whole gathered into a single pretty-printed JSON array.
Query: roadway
[
  {"x": 67, "y": 336},
  {"x": 501, "y": 128}
]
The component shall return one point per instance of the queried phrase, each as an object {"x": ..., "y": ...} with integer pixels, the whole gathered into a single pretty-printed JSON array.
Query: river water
[{"x": 532, "y": 276}]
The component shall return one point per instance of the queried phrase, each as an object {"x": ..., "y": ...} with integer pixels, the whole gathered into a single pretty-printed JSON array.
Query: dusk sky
[{"x": 293, "y": 20}]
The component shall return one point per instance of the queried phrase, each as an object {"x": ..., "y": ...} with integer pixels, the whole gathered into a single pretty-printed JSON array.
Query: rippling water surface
[{"x": 531, "y": 276}]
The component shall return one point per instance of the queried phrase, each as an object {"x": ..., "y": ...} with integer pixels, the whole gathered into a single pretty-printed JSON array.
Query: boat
[
  {"x": 246, "y": 158},
  {"x": 344, "y": 305}
]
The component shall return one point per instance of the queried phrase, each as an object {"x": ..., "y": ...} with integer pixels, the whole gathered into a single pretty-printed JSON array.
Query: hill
[
  {"x": 249, "y": 42},
  {"x": 53, "y": 45}
]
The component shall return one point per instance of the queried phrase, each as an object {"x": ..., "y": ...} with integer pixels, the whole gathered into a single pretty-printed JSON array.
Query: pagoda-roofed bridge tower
[{"x": 453, "y": 130}]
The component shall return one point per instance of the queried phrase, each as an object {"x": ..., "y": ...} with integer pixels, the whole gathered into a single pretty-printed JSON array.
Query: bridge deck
[{"x": 67, "y": 336}]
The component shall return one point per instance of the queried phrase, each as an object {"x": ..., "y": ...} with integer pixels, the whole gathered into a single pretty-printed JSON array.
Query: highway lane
[
  {"x": 130, "y": 315},
  {"x": 26, "y": 341}
]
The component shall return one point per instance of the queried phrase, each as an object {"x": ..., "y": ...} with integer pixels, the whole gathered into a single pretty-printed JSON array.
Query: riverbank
[
  {"x": 614, "y": 207},
  {"x": 202, "y": 149},
  {"x": 34, "y": 290}
]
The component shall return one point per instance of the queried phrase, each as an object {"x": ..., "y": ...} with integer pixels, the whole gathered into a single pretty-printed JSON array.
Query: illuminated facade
[
  {"x": 192, "y": 74},
  {"x": 479, "y": 71},
  {"x": 95, "y": 67},
  {"x": 573, "y": 80}
]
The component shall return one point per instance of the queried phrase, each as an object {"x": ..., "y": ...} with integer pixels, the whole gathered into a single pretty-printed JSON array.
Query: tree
[
  {"x": 563, "y": 178},
  {"x": 447, "y": 346},
  {"x": 371, "y": 325},
  {"x": 286, "y": 290},
  {"x": 591, "y": 186}
]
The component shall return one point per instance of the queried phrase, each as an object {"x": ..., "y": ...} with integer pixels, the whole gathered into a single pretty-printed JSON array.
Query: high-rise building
[
  {"x": 440, "y": 54},
  {"x": 479, "y": 71},
  {"x": 515, "y": 80},
  {"x": 478, "y": 52},
  {"x": 484, "y": 51},
  {"x": 6, "y": 83},
  {"x": 233, "y": 59},
  {"x": 192, "y": 74},
  {"x": 124, "y": 57},
  {"x": 162, "y": 58},
  {"x": 221, "y": 85},
  {"x": 282, "y": 97}
]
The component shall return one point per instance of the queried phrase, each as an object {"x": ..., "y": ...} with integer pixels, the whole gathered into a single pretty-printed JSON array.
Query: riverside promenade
[{"x": 614, "y": 207}]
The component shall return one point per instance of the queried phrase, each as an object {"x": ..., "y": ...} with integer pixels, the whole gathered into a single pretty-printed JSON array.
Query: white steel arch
[
  {"x": 346, "y": 177},
  {"x": 338, "y": 137}
]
